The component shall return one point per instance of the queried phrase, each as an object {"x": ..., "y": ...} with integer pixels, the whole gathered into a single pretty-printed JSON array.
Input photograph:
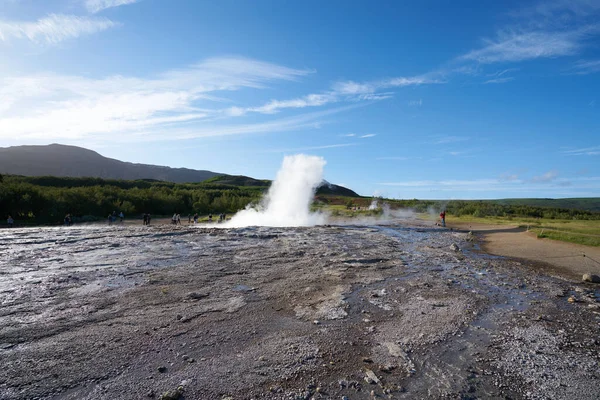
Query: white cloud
[
  {"x": 95, "y": 6},
  {"x": 354, "y": 88},
  {"x": 512, "y": 46},
  {"x": 53, "y": 29},
  {"x": 448, "y": 139},
  {"x": 500, "y": 80},
  {"x": 274, "y": 106},
  {"x": 368, "y": 135},
  {"x": 54, "y": 106},
  {"x": 395, "y": 158},
  {"x": 369, "y": 89},
  {"x": 545, "y": 178},
  {"x": 586, "y": 67},
  {"x": 586, "y": 151},
  {"x": 327, "y": 146},
  {"x": 502, "y": 185},
  {"x": 549, "y": 29}
]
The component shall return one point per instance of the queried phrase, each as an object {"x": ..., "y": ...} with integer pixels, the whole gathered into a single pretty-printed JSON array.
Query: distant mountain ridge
[
  {"x": 77, "y": 162},
  {"x": 72, "y": 161}
]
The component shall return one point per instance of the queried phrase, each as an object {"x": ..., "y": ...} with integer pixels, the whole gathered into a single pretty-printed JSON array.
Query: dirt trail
[{"x": 565, "y": 259}]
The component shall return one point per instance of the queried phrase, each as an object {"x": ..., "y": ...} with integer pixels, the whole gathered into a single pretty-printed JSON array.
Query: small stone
[
  {"x": 162, "y": 369},
  {"x": 370, "y": 377},
  {"x": 367, "y": 360},
  {"x": 316, "y": 322},
  {"x": 454, "y": 247},
  {"x": 572, "y": 299},
  {"x": 197, "y": 295},
  {"x": 591, "y": 278}
]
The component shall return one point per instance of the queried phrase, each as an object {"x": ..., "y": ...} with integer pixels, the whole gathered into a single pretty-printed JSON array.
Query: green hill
[{"x": 582, "y": 203}]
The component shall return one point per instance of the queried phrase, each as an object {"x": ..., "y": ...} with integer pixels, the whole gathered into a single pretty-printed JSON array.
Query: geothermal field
[{"x": 391, "y": 308}]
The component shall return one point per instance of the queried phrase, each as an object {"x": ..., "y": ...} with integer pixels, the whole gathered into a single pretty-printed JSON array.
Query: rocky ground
[{"x": 331, "y": 312}]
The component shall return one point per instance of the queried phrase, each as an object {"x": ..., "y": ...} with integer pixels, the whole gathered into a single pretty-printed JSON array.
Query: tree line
[
  {"x": 46, "y": 200},
  {"x": 492, "y": 208}
]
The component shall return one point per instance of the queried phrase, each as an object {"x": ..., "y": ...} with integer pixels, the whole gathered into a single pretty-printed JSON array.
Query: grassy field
[{"x": 575, "y": 231}]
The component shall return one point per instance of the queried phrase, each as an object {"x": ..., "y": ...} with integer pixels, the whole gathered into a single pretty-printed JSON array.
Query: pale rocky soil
[
  {"x": 556, "y": 258},
  {"x": 331, "y": 312}
]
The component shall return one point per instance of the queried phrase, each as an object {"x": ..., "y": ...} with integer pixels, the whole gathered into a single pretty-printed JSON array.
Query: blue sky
[{"x": 429, "y": 100}]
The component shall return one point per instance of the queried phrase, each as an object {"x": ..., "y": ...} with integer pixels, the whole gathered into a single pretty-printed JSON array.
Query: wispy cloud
[
  {"x": 348, "y": 135},
  {"x": 549, "y": 29},
  {"x": 52, "y": 29},
  {"x": 583, "y": 184},
  {"x": 415, "y": 103},
  {"x": 95, "y": 6},
  {"x": 545, "y": 178},
  {"x": 396, "y": 158},
  {"x": 274, "y": 106},
  {"x": 448, "y": 139},
  {"x": 586, "y": 67},
  {"x": 369, "y": 135},
  {"x": 327, "y": 146},
  {"x": 585, "y": 151},
  {"x": 521, "y": 46},
  {"x": 500, "y": 80},
  {"x": 366, "y": 88},
  {"x": 53, "y": 106}
]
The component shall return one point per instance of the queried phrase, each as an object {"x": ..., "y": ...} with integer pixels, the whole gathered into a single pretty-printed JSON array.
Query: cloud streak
[
  {"x": 586, "y": 151},
  {"x": 95, "y": 6},
  {"x": 54, "y": 106},
  {"x": 53, "y": 28}
]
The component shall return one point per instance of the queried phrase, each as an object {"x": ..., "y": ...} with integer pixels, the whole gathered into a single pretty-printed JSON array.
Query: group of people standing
[
  {"x": 146, "y": 218},
  {"x": 113, "y": 217}
]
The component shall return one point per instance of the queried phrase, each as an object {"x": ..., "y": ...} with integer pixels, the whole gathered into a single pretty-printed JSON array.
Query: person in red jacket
[{"x": 443, "y": 217}]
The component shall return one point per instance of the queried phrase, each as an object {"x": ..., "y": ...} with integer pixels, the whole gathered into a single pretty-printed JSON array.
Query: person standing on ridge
[
  {"x": 10, "y": 221},
  {"x": 443, "y": 218}
]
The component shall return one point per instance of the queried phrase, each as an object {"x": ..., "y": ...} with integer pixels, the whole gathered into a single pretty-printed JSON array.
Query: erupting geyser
[{"x": 288, "y": 201}]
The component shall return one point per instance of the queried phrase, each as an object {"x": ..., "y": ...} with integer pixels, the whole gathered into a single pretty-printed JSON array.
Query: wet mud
[{"x": 331, "y": 312}]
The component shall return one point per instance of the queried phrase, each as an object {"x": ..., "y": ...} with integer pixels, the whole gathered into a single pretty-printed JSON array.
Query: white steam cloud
[{"x": 288, "y": 201}]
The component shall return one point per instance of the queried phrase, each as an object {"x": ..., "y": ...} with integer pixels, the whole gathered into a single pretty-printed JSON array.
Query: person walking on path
[
  {"x": 10, "y": 221},
  {"x": 443, "y": 218}
]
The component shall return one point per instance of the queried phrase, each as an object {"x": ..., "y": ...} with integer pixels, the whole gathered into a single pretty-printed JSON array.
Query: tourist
[
  {"x": 121, "y": 216},
  {"x": 196, "y": 218},
  {"x": 443, "y": 217},
  {"x": 10, "y": 221}
]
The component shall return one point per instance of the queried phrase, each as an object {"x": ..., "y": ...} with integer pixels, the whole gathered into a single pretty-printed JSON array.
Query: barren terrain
[{"x": 399, "y": 311}]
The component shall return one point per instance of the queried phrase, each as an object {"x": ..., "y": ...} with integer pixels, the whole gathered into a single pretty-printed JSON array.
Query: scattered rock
[
  {"x": 162, "y": 369},
  {"x": 591, "y": 278},
  {"x": 172, "y": 394},
  {"x": 197, "y": 295},
  {"x": 454, "y": 247},
  {"x": 370, "y": 377},
  {"x": 572, "y": 299}
]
